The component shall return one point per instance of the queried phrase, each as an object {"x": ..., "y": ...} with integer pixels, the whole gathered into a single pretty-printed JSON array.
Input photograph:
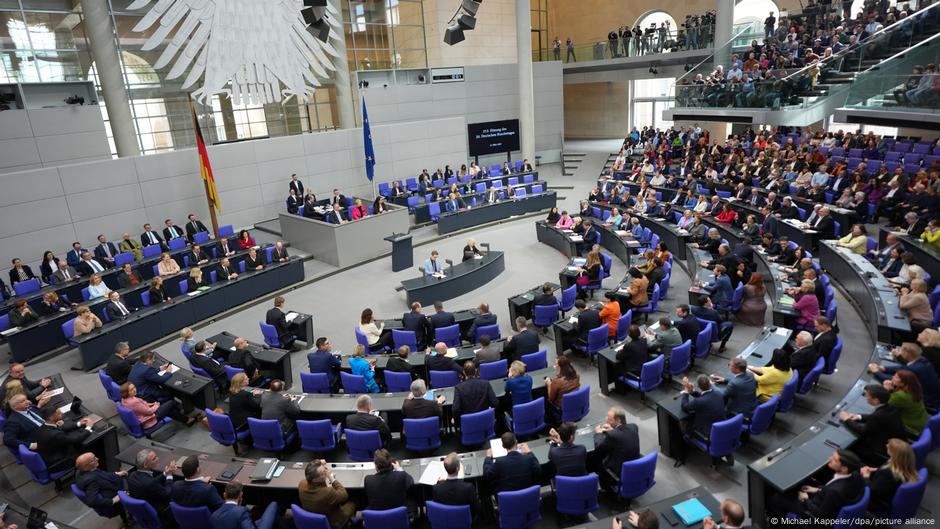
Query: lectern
[{"x": 402, "y": 253}]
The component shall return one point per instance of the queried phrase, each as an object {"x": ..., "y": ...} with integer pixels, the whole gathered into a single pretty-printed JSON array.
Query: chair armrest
[
  {"x": 611, "y": 475},
  {"x": 508, "y": 420},
  {"x": 701, "y": 437},
  {"x": 338, "y": 431}
]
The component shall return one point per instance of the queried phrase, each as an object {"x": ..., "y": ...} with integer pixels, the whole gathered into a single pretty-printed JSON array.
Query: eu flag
[{"x": 367, "y": 142}]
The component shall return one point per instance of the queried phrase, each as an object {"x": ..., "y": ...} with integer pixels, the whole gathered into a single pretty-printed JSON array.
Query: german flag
[{"x": 205, "y": 169}]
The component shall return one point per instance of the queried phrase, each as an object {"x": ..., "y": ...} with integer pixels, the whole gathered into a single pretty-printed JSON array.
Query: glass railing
[
  {"x": 797, "y": 88},
  {"x": 706, "y": 66},
  {"x": 894, "y": 85}
]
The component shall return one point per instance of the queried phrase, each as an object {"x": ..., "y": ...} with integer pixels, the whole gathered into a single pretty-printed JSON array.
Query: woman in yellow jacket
[
  {"x": 856, "y": 240},
  {"x": 932, "y": 233},
  {"x": 771, "y": 378}
]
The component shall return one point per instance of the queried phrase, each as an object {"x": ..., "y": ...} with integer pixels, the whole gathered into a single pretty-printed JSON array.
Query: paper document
[
  {"x": 622, "y": 233},
  {"x": 65, "y": 409},
  {"x": 478, "y": 257},
  {"x": 579, "y": 261},
  {"x": 438, "y": 275},
  {"x": 496, "y": 445},
  {"x": 682, "y": 231},
  {"x": 451, "y": 352},
  {"x": 573, "y": 320},
  {"x": 576, "y": 238},
  {"x": 54, "y": 392},
  {"x": 290, "y": 316},
  {"x": 172, "y": 369},
  {"x": 191, "y": 294},
  {"x": 571, "y": 268},
  {"x": 435, "y": 472}
]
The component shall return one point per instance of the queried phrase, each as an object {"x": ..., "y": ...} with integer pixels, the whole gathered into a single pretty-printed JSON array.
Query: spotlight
[
  {"x": 314, "y": 14},
  {"x": 75, "y": 100},
  {"x": 471, "y": 6},
  {"x": 320, "y": 29},
  {"x": 453, "y": 34},
  {"x": 466, "y": 22},
  {"x": 653, "y": 70}
]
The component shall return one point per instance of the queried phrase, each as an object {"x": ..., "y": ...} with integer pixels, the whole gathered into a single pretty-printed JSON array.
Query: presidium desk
[
  {"x": 345, "y": 244},
  {"x": 458, "y": 279}
]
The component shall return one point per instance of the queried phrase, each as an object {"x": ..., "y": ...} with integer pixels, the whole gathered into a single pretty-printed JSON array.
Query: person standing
[
  {"x": 556, "y": 49},
  {"x": 570, "y": 57}
]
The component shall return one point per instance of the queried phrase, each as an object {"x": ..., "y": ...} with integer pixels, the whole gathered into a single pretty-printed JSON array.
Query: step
[{"x": 581, "y": 154}]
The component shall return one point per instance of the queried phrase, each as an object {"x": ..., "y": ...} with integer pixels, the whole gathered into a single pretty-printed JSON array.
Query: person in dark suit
[
  {"x": 367, "y": 419},
  {"x": 589, "y": 238},
  {"x": 225, "y": 271},
  {"x": 21, "y": 314},
  {"x": 20, "y": 272},
  {"x": 874, "y": 429},
  {"x": 454, "y": 203},
  {"x": 58, "y": 441},
  {"x": 196, "y": 256},
  {"x": 845, "y": 488},
  {"x": 336, "y": 215},
  {"x": 171, "y": 231},
  {"x": 470, "y": 250},
  {"x": 323, "y": 361},
  {"x": 243, "y": 402},
  {"x": 21, "y": 424},
  {"x": 294, "y": 202},
  {"x": 208, "y": 364},
  {"x": 338, "y": 198},
  {"x": 242, "y": 358},
  {"x": 34, "y": 389},
  {"x": 279, "y": 253},
  {"x": 633, "y": 354},
  {"x": 400, "y": 363},
  {"x": 546, "y": 297},
  {"x": 388, "y": 489},
  {"x": 118, "y": 366},
  {"x": 88, "y": 265},
  {"x": 100, "y": 487},
  {"x": 150, "y": 237},
  {"x": 804, "y": 356},
  {"x": 147, "y": 378},
  {"x": 484, "y": 318},
  {"x": 417, "y": 322},
  {"x": 417, "y": 407},
  {"x": 567, "y": 458},
  {"x": 823, "y": 224},
  {"x": 525, "y": 342},
  {"x": 588, "y": 319},
  {"x": 276, "y": 317},
  {"x": 441, "y": 318},
  {"x": 152, "y": 485},
  {"x": 232, "y": 515},
  {"x": 65, "y": 274},
  {"x": 518, "y": 469},
  {"x": 732, "y": 517},
  {"x": 105, "y": 251},
  {"x": 454, "y": 490},
  {"x": 686, "y": 323},
  {"x": 74, "y": 256},
  {"x": 280, "y": 406},
  {"x": 254, "y": 261},
  {"x": 127, "y": 277},
  {"x": 740, "y": 393},
  {"x": 615, "y": 442},
  {"x": 296, "y": 185},
  {"x": 195, "y": 490},
  {"x": 472, "y": 395},
  {"x": 909, "y": 356},
  {"x": 194, "y": 226},
  {"x": 825, "y": 340},
  {"x": 116, "y": 309},
  {"x": 705, "y": 406}
]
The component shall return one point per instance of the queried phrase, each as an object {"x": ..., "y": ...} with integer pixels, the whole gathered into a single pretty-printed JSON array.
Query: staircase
[{"x": 570, "y": 161}]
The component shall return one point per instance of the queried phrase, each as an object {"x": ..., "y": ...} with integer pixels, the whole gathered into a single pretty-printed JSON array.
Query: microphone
[
  {"x": 486, "y": 245},
  {"x": 450, "y": 265},
  {"x": 777, "y": 452},
  {"x": 839, "y": 408}
]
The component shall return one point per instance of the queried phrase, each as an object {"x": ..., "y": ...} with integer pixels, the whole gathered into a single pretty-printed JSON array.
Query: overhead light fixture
[
  {"x": 654, "y": 70},
  {"x": 463, "y": 20},
  {"x": 314, "y": 13}
]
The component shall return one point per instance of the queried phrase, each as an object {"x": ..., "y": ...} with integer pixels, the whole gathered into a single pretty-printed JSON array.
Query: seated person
[
  {"x": 321, "y": 493},
  {"x": 567, "y": 458},
  {"x": 388, "y": 489},
  {"x": 483, "y": 319},
  {"x": 518, "y": 469},
  {"x": 58, "y": 441},
  {"x": 201, "y": 359},
  {"x": 127, "y": 277},
  {"x": 473, "y": 395},
  {"x": 663, "y": 339},
  {"x": 400, "y": 363},
  {"x": 232, "y": 515},
  {"x": 885, "y": 480},
  {"x": 243, "y": 402},
  {"x": 909, "y": 356},
  {"x": 242, "y": 358},
  {"x": 148, "y": 378},
  {"x": 418, "y": 407},
  {"x": 615, "y": 441},
  {"x": 633, "y": 354},
  {"x": 197, "y": 257},
  {"x": 874, "y": 429},
  {"x": 253, "y": 260},
  {"x": 740, "y": 391},
  {"x": 360, "y": 366},
  {"x": 100, "y": 487},
  {"x": 116, "y": 309},
  {"x": 85, "y": 321},
  {"x": 195, "y": 490},
  {"x": 772, "y": 377},
  {"x": 367, "y": 419},
  {"x": 167, "y": 265},
  {"x": 518, "y": 384},
  {"x": 846, "y": 487},
  {"x": 280, "y": 406},
  {"x": 21, "y": 314},
  {"x": 149, "y": 414},
  {"x": 454, "y": 490},
  {"x": 705, "y": 406},
  {"x": 157, "y": 293},
  {"x": 153, "y": 484}
]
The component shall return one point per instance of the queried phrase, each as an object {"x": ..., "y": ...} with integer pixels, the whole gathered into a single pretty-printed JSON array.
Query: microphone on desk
[
  {"x": 486, "y": 245},
  {"x": 777, "y": 452},
  {"x": 450, "y": 265},
  {"x": 839, "y": 408}
]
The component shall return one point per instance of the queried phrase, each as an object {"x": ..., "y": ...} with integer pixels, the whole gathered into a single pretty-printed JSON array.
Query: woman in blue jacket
[
  {"x": 720, "y": 289},
  {"x": 364, "y": 368}
]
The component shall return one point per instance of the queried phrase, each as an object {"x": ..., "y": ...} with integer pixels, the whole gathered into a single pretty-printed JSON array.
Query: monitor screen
[{"x": 493, "y": 137}]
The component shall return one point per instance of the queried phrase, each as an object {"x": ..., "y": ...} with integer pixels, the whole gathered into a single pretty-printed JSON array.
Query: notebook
[{"x": 691, "y": 511}]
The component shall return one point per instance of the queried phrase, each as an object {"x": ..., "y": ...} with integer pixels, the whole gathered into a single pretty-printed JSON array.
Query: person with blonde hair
[
  {"x": 364, "y": 368},
  {"x": 519, "y": 384},
  {"x": 884, "y": 481},
  {"x": 167, "y": 265},
  {"x": 916, "y": 305},
  {"x": 929, "y": 339},
  {"x": 148, "y": 414},
  {"x": 807, "y": 304},
  {"x": 244, "y": 402},
  {"x": 12, "y": 388},
  {"x": 97, "y": 288},
  {"x": 85, "y": 321},
  {"x": 186, "y": 336}
]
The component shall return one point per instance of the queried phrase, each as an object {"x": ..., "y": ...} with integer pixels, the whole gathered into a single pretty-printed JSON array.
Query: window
[
  {"x": 755, "y": 11},
  {"x": 657, "y": 17},
  {"x": 852, "y": 127},
  {"x": 650, "y": 98}
]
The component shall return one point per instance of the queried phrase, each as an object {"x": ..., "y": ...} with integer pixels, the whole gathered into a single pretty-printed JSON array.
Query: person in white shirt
[{"x": 658, "y": 179}]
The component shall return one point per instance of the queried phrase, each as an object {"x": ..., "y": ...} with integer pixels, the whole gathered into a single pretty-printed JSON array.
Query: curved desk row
[
  {"x": 459, "y": 279},
  {"x": 925, "y": 254},
  {"x": 521, "y": 304},
  {"x": 490, "y": 212},
  {"x": 157, "y": 321},
  {"x": 674, "y": 237},
  {"x": 565, "y": 241},
  {"x": 402, "y": 200}
]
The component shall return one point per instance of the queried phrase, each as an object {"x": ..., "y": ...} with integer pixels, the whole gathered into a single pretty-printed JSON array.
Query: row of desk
[
  {"x": 459, "y": 279},
  {"x": 484, "y": 213}
]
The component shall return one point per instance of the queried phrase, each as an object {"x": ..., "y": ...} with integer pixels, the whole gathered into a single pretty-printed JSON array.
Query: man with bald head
[
  {"x": 454, "y": 490},
  {"x": 33, "y": 389},
  {"x": 824, "y": 224},
  {"x": 732, "y": 517},
  {"x": 21, "y": 425},
  {"x": 438, "y": 360},
  {"x": 100, "y": 487}
]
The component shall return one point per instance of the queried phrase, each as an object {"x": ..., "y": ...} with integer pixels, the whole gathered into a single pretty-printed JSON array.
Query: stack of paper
[
  {"x": 290, "y": 316},
  {"x": 496, "y": 445}
]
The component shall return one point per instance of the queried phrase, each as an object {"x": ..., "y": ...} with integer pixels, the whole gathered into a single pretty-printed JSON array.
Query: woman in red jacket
[
  {"x": 244, "y": 240},
  {"x": 727, "y": 214},
  {"x": 359, "y": 211}
]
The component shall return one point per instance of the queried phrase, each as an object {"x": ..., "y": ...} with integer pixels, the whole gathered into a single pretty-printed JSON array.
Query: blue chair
[
  {"x": 353, "y": 383},
  {"x": 200, "y": 237},
  {"x": 576, "y": 404},
  {"x": 134, "y": 429},
  {"x": 23, "y": 288},
  {"x": 4, "y": 322},
  {"x": 315, "y": 382},
  {"x": 363, "y": 444},
  {"x": 788, "y": 394},
  {"x": 737, "y": 297},
  {"x": 151, "y": 251},
  {"x": 112, "y": 389},
  {"x": 680, "y": 358},
  {"x": 145, "y": 298},
  {"x": 199, "y": 371},
  {"x": 812, "y": 377},
  {"x": 176, "y": 244},
  {"x": 397, "y": 381},
  {"x": 703, "y": 343},
  {"x": 723, "y": 440},
  {"x": 762, "y": 417},
  {"x": 528, "y": 418},
  {"x": 637, "y": 477},
  {"x": 535, "y": 361},
  {"x": 477, "y": 428},
  {"x": 444, "y": 379},
  {"x": 266, "y": 435},
  {"x": 494, "y": 370},
  {"x": 833, "y": 357},
  {"x": 649, "y": 308},
  {"x": 623, "y": 325},
  {"x": 86, "y": 294},
  {"x": 651, "y": 376},
  {"x": 318, "y": 436},
  {"x": 596, "y": 340},
  {"x": 231, "y": 371},
  {"x": 422, "y": 435},
  {"x": 400, "y": 338},
  {"x": 489, "y": 330},
  {"x": 850, "y": 513},
  {"x": 577, "y": 496},
  {"x": 226, "y": 231},
  {"x": 308, "y": 520},
  {"x": 921, "y": 447},
  {"x": 568, "y": 297},
  {"x": 545, "y": 315},
  {"x": 519, "y": 509},
  {"x": 447, "y": 516},
  {"x": 908, "y": 497},
  {"x": 109, "y": 511},
  {"x": 269, "y": 332},
  {"x": 449, "y": 335},
  {"x": 191, "y": 517},
  {"x": 141, "y": 511},
  {"x": 123, "y": 258},
  {"x": 223, "y": 431},
  {"x": 396, "y": 518},
  {"x": 361, "y": 339},
  {"x": 37, "y": 467},
  {"x": 434, "y": 210}
]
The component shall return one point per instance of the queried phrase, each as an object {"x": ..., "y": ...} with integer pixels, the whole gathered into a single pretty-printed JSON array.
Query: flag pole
[{"x": 205, "y": 184}]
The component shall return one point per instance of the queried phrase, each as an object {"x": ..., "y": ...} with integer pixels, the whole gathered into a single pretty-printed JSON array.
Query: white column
[
  {"x": 344, "y": 103},
  {"x": 526, "y": 94},
  {"x": 724, "y": 27},
  {"x": 100, "y": 32}
]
